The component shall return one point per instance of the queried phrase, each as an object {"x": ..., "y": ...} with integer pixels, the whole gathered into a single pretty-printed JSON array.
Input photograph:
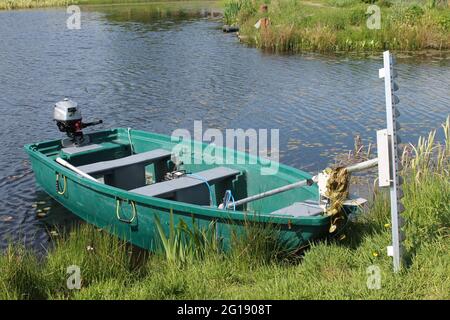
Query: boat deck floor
[{"x": 300, "y": 209}]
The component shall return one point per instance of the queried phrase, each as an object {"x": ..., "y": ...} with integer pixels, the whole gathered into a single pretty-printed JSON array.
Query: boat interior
[
  {"x": 146, "y": 166},
  {"x": 154, "y": 174}
]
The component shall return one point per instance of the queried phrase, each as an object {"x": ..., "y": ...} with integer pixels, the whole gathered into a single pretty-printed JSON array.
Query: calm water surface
[{"x": 151, "y": 68}]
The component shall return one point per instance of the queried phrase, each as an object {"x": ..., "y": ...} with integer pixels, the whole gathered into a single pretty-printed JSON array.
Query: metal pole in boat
[
  {"x": 74, "y": 169},
  {"x": 353, "y": 168},
  {"x": 363, "y": 165},
  {"x": 295, "y": 185}
]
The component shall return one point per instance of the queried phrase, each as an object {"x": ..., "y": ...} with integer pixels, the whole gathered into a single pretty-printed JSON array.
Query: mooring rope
[
  {"x": 131, "y": 143},
  {"x": 337, "y": 192},
  {"x": 211, "y": 193},
  {"x": 227, "y": 199}
]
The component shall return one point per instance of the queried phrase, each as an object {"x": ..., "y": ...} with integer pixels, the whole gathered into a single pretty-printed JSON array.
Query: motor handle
[{"x": 93, "y": 123}]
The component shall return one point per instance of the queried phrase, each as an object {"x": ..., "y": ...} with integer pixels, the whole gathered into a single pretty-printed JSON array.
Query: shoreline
[
  {"x": 324, "y": 26},
  {"x": 316, "y": 36},
  {"x": 33, "y": 4}
]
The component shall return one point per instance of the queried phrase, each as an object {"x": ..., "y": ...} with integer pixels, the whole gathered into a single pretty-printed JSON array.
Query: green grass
[
  {"x": 22, "y": 4},
  {"x": 256, "y": 267},
  {"x": 341, "y": 25},
  {"x": 28, "y": 4}
]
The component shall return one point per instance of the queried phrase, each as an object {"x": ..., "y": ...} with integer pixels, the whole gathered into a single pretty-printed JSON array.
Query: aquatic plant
[
  {"x": 184, "y": 244},
  {"x": 237, "y": 11},
  {"x": 427, "y": 155},
  {"x": 230, "y": 12}
]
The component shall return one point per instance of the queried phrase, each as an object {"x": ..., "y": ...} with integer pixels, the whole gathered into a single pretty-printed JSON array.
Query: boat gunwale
[{"x": 192, "y": 209}]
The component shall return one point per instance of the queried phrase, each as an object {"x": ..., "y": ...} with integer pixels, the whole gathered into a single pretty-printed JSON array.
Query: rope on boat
[
  {"x": 131, "y": 143},
  {"x": 226, "y": 200},
  {"x": 211, "y": 194},
  {"x": 57, "y": 184},
  {"x": 133, "y": 210},
  {"x": 337, "y": 192}
]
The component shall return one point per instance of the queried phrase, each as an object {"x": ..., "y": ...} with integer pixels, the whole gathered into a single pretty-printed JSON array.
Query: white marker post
[{"x": 388, "y": 155}]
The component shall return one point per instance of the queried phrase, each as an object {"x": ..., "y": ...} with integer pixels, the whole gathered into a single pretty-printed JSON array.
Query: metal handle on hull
[
  {"x": 57, "y": 184},
  {"x": 133, "y": 210}
]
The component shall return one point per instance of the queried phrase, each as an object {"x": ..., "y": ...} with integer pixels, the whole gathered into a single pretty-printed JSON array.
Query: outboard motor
[{"x": 68, "y": 119}]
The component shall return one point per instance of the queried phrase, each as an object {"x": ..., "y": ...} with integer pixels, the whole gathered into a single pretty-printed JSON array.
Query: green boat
[{"x": 122, "y": 180}]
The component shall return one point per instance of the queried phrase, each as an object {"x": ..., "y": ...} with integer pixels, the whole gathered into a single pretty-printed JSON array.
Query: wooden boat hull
[{"x": 98, "y": 203}]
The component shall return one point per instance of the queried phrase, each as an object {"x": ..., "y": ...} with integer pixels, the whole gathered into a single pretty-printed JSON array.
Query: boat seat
[
  {"x": 128, "y": 172},
  {"x": 300, "y": 209},
  {"x": 190, "y": 188},
  {"x": 75, "y": 150},
  {"x": 104, "y": 151}
]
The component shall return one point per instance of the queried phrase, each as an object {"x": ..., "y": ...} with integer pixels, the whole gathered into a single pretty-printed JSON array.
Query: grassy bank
[
  {"x": 341, "y": 25},
  {"x": 29, "y": 4},
  {"x": 255, "y": 267}
]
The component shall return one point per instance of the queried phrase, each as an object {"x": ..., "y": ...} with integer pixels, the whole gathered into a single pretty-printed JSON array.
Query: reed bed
[
  {"x": 190, "y": 264},
  {"x": 28, "y": 4},
  {"x": 342, "y": 25}
]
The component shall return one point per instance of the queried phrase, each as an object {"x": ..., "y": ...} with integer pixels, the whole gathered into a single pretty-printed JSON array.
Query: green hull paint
[{"x": 96, "y": 202}]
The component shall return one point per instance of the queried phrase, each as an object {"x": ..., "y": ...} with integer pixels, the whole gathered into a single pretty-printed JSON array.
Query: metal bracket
[{"x": 384, "y": 172}]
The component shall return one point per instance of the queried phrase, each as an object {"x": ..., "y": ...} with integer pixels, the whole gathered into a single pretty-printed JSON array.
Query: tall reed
[{"x": 185, "y": 244}]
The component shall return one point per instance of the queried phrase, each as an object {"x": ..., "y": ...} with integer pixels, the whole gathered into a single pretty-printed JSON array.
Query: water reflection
[{"x": 158, "y": 16}]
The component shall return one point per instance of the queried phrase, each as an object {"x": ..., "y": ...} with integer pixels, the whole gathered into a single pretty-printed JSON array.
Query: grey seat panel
[
  {"x": 140, "y": 158},
  {"x": 74, "y": 150},
  {"x": 169, "y": 187},
  {"x": 300, "y": 209}
]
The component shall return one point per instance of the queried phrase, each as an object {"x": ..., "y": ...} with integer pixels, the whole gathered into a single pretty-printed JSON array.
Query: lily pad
[
  {"x": 41, "y": 214},
  {"x": 5, "y": 218},
  {"x": 54, "y": 233}
]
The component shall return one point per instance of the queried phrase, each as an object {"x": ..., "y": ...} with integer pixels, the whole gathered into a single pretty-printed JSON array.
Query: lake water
[{"x": 158, "y": 69}]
